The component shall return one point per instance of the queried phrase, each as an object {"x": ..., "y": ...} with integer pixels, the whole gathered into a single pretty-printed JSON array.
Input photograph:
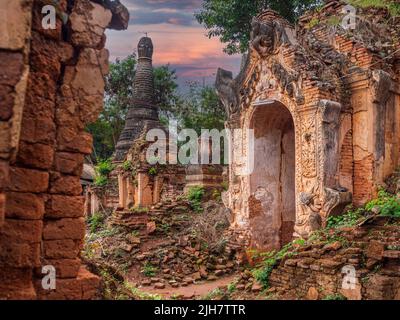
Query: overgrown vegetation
[
  {"x": 95, "y": 221},
  {"x": 392, "y": 6},
  {"x": 149, "y": 270},
  {"x": 102, "y": 170},
  {"x": 263, "y": 270},
  {"x": 195, "y": 196},
  {"x": 386, "y": 204},
  {"x": 349, "y": 219}
]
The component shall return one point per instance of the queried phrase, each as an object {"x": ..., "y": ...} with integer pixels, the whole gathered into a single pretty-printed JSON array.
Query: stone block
[
  {"x": 65, "y": 268},
  {"x": 375, "y": 250},
  {"x": 63, "y": 184},
  {"x": 83, "y": 287},
  {"x": 39, "y": 129},
  {"x": 61, "y": 249},
  {"x": 67, "y": 228},
  {"x": 15, "y": 21},
  {"x": 71, "y": 141},
  {"x": 88, "y": 22},
  {"x": 16, "y": 284},
  {"x": 65, "y": 206},
  {"x": 2, "y": 208},
  {"x": 28, "y": 180},
  {"x": 38, "y": 156},
  {"x": 26, "y": 206}
]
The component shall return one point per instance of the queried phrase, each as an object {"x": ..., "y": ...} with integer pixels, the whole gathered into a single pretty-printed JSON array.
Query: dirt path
[{"x": 200, "y": 289}]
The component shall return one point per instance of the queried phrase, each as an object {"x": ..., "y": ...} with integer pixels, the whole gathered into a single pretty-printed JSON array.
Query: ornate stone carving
[
  {"x": 335, "y": 200},
  {"x": 380, "y": 85},
  {"x": 290, "y": 82},
  {"x": 308, "y": 158},
  {"x": 226, "y": 89},
  {"x": 267, "y": 36}
]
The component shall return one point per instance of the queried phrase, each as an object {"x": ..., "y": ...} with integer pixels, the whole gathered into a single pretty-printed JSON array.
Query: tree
[
  {"x": 230, "y": 20},
  {"x": 201, "y": 109}
]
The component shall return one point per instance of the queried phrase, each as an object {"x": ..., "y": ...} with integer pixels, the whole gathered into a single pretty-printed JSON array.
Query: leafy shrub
[
  {"x": 127, "y": 165},
  {"x": 149, "y": 270},
  {"x": 139, "y": 210},
  {"x": 388, "y": 205},
  {"x": 349, "y": 219},
  {"x": 100, "y": 181},
  {"x": 216, "y": 195},
  {"x": 153, "y": 171},
  {"x": 95, "y": 221},
  {"x": 104, "y": 167},
  {"x": 263, "y": 273},
  {"x": 195, "y": 196}
]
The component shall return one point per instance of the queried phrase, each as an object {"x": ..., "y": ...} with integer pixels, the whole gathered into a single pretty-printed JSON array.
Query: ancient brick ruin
[
  {"x": 52, "y": 85},
  {"x": 324, "y": 105}
]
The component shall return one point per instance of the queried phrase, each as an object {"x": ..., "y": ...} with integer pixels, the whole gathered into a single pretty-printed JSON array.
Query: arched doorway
[{"x": 272, "y": 209}]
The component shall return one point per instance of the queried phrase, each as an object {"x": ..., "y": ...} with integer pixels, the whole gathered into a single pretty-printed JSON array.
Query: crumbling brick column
[{"x": 44, "y": 206}]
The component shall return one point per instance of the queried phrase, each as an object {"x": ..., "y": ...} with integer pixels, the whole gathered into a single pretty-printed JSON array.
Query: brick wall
[{"x": 42, "y": 201}]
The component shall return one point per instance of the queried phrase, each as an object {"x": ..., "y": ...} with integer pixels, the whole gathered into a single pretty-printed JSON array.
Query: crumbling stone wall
[
  {"x": 43, "y": 142},
  {"x": 364, "y": 264}
]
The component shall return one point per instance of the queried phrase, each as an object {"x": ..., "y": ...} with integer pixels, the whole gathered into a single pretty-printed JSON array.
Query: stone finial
[{"x": 145, "y": 48}]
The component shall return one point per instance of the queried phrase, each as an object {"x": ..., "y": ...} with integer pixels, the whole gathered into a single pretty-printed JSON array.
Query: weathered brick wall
[
  {"x": 44, "y": 208},
  {"x": 15, "y": 17},
  {"x": 317, "y": 270}
]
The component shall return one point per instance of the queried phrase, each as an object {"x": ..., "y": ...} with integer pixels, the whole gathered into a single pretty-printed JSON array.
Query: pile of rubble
[{"x": 163, "y": 247}]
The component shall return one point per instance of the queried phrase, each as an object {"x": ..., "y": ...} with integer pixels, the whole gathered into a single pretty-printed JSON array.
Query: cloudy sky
[{"x": 177, "y": 37}]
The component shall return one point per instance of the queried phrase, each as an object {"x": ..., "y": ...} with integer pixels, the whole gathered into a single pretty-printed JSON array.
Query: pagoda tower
[{"x": 142, "y": 114}]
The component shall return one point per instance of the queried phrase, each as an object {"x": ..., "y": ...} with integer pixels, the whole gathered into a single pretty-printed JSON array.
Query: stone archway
[{"x": 272, "y": 207}]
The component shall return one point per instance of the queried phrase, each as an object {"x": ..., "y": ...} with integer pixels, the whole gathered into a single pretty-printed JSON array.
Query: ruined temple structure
[
  {"x": 141, "y": 184},
  {"x": 51, "y": 86},
  {"x": 324, "y": 104}
]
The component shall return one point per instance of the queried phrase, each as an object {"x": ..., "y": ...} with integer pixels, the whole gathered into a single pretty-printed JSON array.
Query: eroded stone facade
[
  {"x": 324, "y": 104},
  {"x": 52, "y": 85}
]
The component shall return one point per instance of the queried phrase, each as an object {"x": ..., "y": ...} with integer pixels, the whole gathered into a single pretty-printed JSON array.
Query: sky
[{"x": 178, "y": 39}]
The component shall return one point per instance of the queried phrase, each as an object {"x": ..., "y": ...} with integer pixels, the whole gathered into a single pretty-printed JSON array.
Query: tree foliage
[
  {"x": 201, "y": 109},
  {"x": 230, "y": 20}
]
